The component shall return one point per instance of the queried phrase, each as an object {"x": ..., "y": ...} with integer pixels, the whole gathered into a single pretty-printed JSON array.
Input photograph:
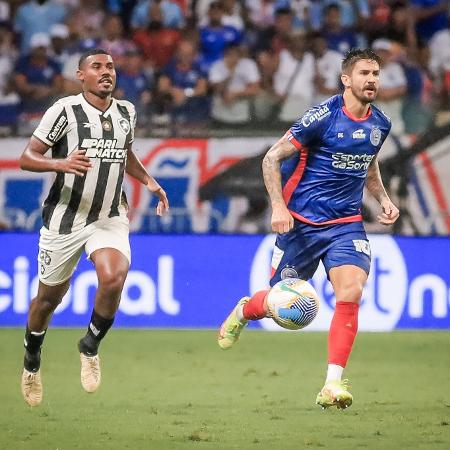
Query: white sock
[
  {"x": 334, "y": 372},
  {"x": 240, "y": 313}
]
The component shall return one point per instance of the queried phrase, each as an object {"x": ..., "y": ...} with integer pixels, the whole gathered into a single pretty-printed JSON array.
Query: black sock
[
  {"x": 96, "y": 331},
  {"x": 33, "y": 343}
]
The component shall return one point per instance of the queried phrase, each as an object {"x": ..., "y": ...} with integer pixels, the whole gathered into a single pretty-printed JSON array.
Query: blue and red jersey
[{"x": 323, "y": 183}]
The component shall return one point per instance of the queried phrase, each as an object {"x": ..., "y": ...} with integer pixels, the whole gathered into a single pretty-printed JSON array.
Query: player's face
[
  {"x": 98, "y": 75},
  {"x": 364, "y": 80}
]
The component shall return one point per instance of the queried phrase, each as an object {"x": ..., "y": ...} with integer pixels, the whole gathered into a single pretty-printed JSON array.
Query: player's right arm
[
  {"x": 33, "y": 159},
  {"x": 52, "y": 128},
  {"x": 282, "y": 220}
]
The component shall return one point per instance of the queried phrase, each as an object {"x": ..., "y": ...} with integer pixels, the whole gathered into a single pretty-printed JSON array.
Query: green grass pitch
[{"x": 166, "y": 389}]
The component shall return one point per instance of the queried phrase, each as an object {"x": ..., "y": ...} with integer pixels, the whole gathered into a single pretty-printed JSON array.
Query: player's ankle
[
  {"x": 32, "y": 361},
  {"x": 88, "y": 345}
]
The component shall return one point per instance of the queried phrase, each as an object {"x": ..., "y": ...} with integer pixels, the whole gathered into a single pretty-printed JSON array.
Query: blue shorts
[{"x": 297, "y": 254}]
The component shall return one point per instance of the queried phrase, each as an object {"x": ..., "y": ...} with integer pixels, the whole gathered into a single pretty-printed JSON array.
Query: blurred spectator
[
  {"x": 393, "y": 85},
  {"x": 380, "y": 12},
  {"x": 59, "y": 35},
  {"x": 400, "y": 28},
  {"x": 157, "y": 44},
  {"x": 275, "y": 37},
  {"x": 38, "y": 79},
  {"x": 294, "y": 80},
  {"x": 71, "y": 84},
  {"x": 172, "y": 14},
  {"x": 9, "y": 100},
  {"x": 417, "y": 103},
  {"x": 5, "y": 12},
  {"x": 338, "y": 38},
  {"x": 215, "y": 36},
  {"x": 232, "y": 13},
  {"x": 439, "y": 56},
  {"x": 123, "y": 9},
  {"x": 86, "y": 20},
  {"x": 37, "y": 16},
  {"x": 113, "y": 40},
  {"x": 185, "y": 86},
  {"x": 235, "y": 83},
  {"x": 353, "y": 13},
  {"x": 261, "y": 13},
  {"x": 134, "y": 85},
  {"x": 327, "y": 69},
  {"x": 430, "y": 16}
]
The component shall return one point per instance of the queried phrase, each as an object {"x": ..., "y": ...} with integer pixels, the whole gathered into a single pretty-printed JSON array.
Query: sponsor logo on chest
[
  {"x": 104, "y": 149},
  {"x": 359, "y": 134}
]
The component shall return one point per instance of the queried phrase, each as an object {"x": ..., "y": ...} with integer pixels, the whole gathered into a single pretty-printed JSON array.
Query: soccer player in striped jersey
[
  {"x": 315, "y": 176},
  {"x": 90, "y": 136}
]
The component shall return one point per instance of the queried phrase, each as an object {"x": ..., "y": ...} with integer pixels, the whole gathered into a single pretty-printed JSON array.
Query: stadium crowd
[{"x": 192, "y": 65}]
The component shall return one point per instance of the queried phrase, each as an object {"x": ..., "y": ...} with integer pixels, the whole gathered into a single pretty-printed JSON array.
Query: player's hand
[
  {"x": 163, "y": 204},
  {"x": 282, "y": 220},
  {"x": 77, "y": 163},
  {"x": 390, "y": 213}
]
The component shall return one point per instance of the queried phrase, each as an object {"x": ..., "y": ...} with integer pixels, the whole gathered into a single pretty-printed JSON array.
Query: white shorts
[{"x": 59, "y": 253}]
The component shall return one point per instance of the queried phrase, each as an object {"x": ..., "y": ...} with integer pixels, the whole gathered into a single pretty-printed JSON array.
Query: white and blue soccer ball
[{"x": 293, "y": 303}]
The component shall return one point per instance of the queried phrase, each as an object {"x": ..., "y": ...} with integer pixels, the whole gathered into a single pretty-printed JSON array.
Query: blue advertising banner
[{"x": 192, "y": 281}]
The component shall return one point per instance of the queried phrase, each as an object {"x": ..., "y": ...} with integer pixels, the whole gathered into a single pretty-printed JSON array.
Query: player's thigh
[
  {"x": 294, "y": 256},
  {"x": 347, "y": 263},
  {"x": 59, "y": 255},
  {"x": 110, "y": 233}
]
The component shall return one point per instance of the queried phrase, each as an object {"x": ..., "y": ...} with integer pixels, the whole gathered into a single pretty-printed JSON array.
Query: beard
[{"x": 364, "y": 95}]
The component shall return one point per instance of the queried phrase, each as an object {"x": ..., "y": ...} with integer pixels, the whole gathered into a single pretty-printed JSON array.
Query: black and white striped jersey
[{"x": 73, "y": 123}]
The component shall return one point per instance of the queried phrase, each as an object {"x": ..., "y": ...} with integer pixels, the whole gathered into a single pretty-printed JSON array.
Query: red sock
[
  {"x": 343, "y": 329},
  {"x": 254, "y": 308}
]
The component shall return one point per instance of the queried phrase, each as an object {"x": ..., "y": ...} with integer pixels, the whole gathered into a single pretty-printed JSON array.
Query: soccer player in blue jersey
[{"x": 315, "y": 175}]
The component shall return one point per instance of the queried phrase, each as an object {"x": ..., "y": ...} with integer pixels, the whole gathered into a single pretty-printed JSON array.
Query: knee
[
  {"x": 349, "y": 292},
  {"x": 45, "y": 305},
  {"x": 112, "y": 281}
]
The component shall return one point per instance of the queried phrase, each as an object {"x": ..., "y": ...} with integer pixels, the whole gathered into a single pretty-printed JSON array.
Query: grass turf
[{"x": 174, "y": 390}]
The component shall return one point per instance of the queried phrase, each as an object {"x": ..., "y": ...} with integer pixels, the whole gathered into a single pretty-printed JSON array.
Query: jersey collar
[{"x": 90, "y": 105}]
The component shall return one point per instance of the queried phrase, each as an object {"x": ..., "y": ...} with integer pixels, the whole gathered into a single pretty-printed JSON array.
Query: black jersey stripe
[
  {"x": 115, "y": 203},
  {"x": 117, "y": 197},
  {"x": 59, "y": 150},
  {"x": 103, "y": 175},
  {"x": 78, "y": 184}
]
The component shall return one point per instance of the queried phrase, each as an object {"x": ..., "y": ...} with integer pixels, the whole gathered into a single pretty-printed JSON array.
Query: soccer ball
[{"x": 293, "y": 303}]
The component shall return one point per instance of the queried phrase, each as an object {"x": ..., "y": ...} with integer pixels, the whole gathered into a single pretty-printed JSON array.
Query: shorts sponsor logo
[
  {"x": 348, "y": 161},
  {"x": 362, "y": 246}
]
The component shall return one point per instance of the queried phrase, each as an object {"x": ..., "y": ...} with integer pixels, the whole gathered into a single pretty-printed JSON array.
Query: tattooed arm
[
  {"x": 282, "y": 220},
  {"x": 375, "y": 186}
]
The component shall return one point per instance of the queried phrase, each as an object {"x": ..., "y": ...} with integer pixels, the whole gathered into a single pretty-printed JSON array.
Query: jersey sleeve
[
  {"x": 308, "y": 128},
  {"x": 133, "y": 120},
  {"x": 53, "y": 125}
]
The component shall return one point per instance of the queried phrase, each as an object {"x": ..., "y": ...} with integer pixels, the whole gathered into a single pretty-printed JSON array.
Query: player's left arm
[
  {"x": 375, "y": 186},
  {"x": 135, "y": 169}
]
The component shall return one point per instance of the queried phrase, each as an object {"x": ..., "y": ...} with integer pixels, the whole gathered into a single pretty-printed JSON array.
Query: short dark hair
[
  {"x": 357, "y": 54},
  {"x": 92, "y": 51}
]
